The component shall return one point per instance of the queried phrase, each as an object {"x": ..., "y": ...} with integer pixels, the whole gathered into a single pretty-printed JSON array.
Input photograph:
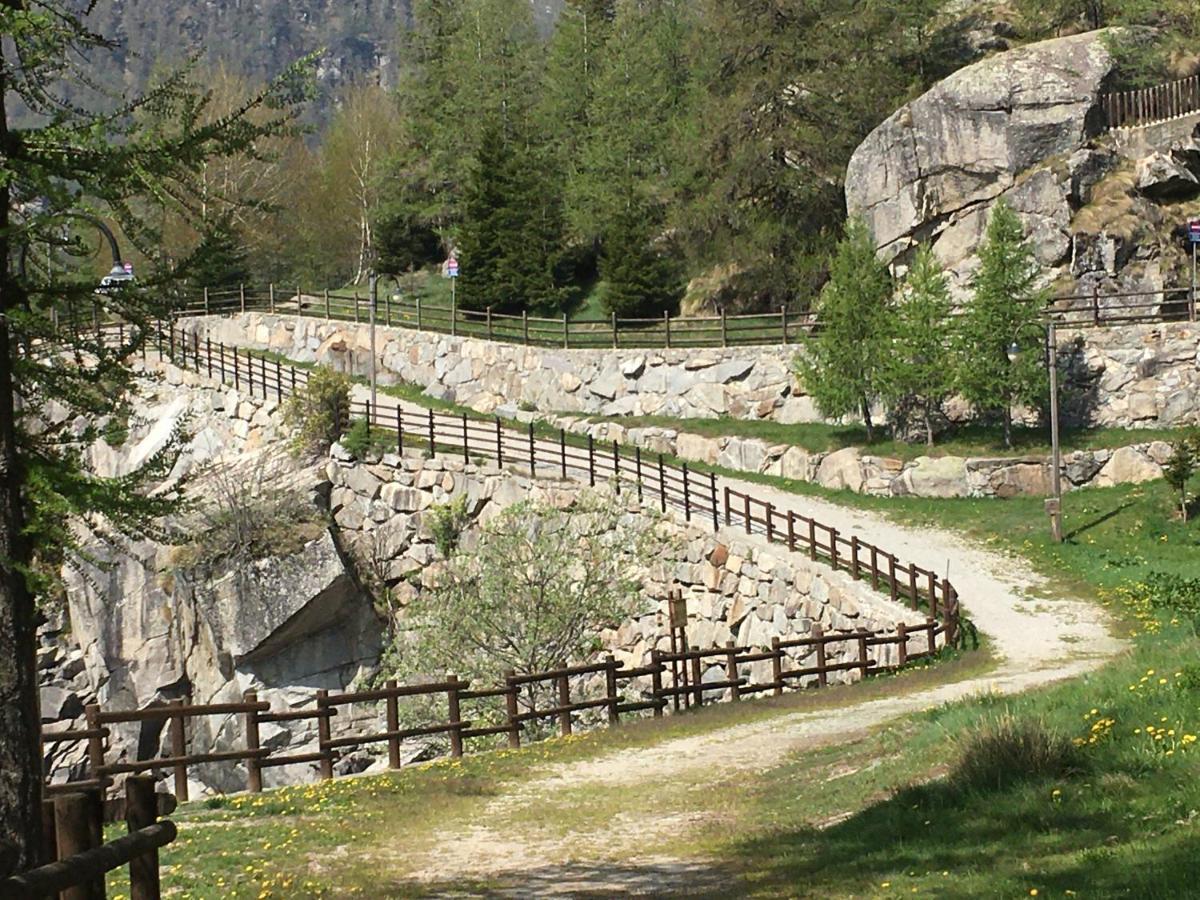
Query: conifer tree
[
  {"x": 640, "y": 280},
  {"x": 918, "y": 374},
  {"x": 842, "y": 364},
  {"x": 1005, "y": 312},
  {"x": 65, "y": 167}
]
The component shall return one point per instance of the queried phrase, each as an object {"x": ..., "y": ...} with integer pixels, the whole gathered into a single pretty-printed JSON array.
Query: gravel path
[{"x": 1038, "y": 640}]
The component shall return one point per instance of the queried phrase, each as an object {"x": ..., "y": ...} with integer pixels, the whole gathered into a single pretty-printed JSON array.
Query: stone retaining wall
[
  {"x": 863, "y": 473},
  {"x": 1136, "y": 376}
]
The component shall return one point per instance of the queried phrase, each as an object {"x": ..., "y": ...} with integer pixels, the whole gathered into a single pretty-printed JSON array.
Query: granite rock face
[{"x": 933, "y": 168}]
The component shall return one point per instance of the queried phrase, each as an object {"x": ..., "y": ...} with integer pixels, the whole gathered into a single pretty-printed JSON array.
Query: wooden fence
[
  {"x": 1147, "y": 106},
  {"x": 524, "y": 700},
  {"x": 654, "y": 480},
  {"x": 651, "y": 477},
  {"x": 73, "y": 824},
  {"x": 1094, "y": 310}
]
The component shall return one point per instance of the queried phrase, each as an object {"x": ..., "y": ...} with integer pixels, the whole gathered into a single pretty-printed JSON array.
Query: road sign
[
  {"x": 452, "y": 268},
  {"x": 1194, "y": 231}
]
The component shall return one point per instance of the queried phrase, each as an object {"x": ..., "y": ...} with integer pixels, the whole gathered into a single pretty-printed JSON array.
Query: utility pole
[
  {"x": 374, "y": 282},
  {"x": 1054, "y": 504}
]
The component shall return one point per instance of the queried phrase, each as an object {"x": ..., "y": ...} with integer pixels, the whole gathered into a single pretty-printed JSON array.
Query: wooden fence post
[
  {"x": 912, "y": 585},
  {"x": 833, "y": 548},
  {"x": 466, "y": 440},
  {"x": 77, "y": 828},
  {"x": 432, "y": 436},
  {"x": 562, "y": 451},
  {"x": 931, "y": 626},
  {"x": 271, "y": 296},
  {"x": 712, "y": 485},
  {"x": 253, "y": 764},
  {"x": 456, "y": 725},
  {"x": 731, "y": 670},
  {"x": 179, "y": 749},
  {"x": 616, "y": 343},
  {"x": 812, "y": 539},
  {"x": 489, "y": 323},
  {"x": 783, "y": 318},
  {"x": 687, "y": 496},
  {"x": 325, "y": 294},
  {"x": 356, "y": 310},
  {"x": 902, "y": 644},
  {"x": 242, "y": 296},
  {"x": 862, "y": 652},
  {"x": 697, "y": 685},
  {"x": 667, "y": 326},
  {"x": 662, "y": 484},
  {"x": 724, "y": 329},
  {"x": 566, "y": 336},
  {"x": 791, "y": 532},
  {"x": 323, "y": 735},
  {"x": 746, "y": 512},
  {"x": 776, "y": 667},
  {"x": 656, "y": 683},
  {"x": 206, "y": 301},
  {"x": 855, "y": 574},
  {"x": 393, "y": 724},
  {"x": 510, "y": 703},
  {"x": 610, "y": 690},
  {"x": 95, "y": 741},
  {"x": 818, "y": 633},
  {"x": 141, "y": 811},
  {"x": 893, "y": 587},
  {"x": 591, "y": 460},
  {"x": 564, "y": 700}
]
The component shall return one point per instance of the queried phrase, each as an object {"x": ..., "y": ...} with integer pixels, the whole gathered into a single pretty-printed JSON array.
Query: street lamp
[{"x": 1054, "y": 503}]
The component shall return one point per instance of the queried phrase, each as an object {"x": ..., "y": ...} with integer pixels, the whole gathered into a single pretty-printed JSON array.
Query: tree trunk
[
  {"x": 1008, "y": 427},
  {"x": 870, "y": 426},
  {"x": 20, "y": 748}
]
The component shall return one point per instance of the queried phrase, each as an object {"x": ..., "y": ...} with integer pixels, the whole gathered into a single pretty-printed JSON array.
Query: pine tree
[
  {"x": 481, "y": 244},
  {"x": 67, "y": 167},
  {"x": 641, "y": 280},
  {"x": 1005, "y": 314},
  {"x": 842, "y": 364},
  {"x": 918, "y": 373}
]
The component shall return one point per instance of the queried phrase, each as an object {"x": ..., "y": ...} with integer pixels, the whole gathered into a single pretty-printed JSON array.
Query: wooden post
[
  {"x": 499, "y": 443},
  {"x": 697, "y": 684},
  {"x": 489, "y": 323},
  {"x": 893, "y": 587},
  {"x": 325, "y": 294},
  {"x": 141, "y": 811},
  {"x": 662, "y": 484},
  {"x": 712, "y": 488},
  {"x": 532, "y": 453},
  {"x": 242, "y": 296},
  {"x": 208, "y": 354},
  {"x": 656, "y": 683},
  {"x": 812, "y": 539},
  {"x": 667, "y": 326},
  {"x": 728, "y": 508},
  {"x": 562, "y": 451},
  {"x": 724, "y": 329},
  {"x": 610, "y": 690},
  {"x": 323, "y": 735},
  {"x": 564, "y": 700},
  {"x": 776, "y": 667},
  {"x": 456, "y": 725},
  {"x": 862, "y": 652},
  {"x": 466, "y": 440},
  {"x": 399, "y": 431},
  {"x": 77, "y": 828},
  {"x": 933, "y": 598},
  {"x": 931, "y": 630},
  {"x": 271, "y": 296},
  {"x": 253, "y": 764},
  {"x": 902, "y": 644},
  {"x": 791, "y": 532},
  {"x": 783, "y": 318},
  {"x": 356, "y": 307},
  {"x": 566, "y": 337},
  {"x": 49, "y": 836},
  {"x": 393, "y": 724},
  {"x": 687, "y": 496},
  {"x": 833, "y": 548},
  {"x": 278, "y": 382},
  {"x": 731, "y": 671},
  {"x": 854, "y": 558},
  {"x": 95, "y": 743},
  {"x": 432, "y": 435},
  {"x": 818, "y": 633},
  {"x": 874, "y": 568},
  {"x": 616, "y": 457},
  {"x": 951, "y": 613},
  {"x": 510, "y": 703},
  {"x": 912, "y": 585},
  {"x": 387, "y": 308},
  {"x": 179, "y": 749},
  {"x": 206, "y": 301},
  {"x": 616, "y": 343},
  {"x": 591, "y": 461},
  {"x": 746, "y": 511},
  {"x": 525, "y": 326}
]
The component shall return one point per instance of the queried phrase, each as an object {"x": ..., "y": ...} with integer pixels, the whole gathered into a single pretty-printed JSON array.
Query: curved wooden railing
[{"x": 1149, "y": 106}]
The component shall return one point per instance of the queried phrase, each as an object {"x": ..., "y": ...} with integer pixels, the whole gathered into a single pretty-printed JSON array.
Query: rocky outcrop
[{"x": 932, "y": 170}]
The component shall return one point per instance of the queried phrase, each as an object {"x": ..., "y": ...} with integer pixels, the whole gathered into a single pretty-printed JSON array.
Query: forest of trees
[{"x": 638, "y": 155}]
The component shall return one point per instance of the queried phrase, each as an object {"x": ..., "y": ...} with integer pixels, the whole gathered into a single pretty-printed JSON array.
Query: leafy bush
[
  {"x": 316, "y": 412},
  {"x": 1174, "y": 593},
  {"x": 447, "y": 522},
  {"x": 1011, "y": 750}
]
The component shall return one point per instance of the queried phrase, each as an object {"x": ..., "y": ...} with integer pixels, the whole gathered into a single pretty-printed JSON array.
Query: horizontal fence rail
[
  {"x": 521, "y": 700},
  {"x": 1095, "y": 310},
  {"x": 1148, "y": 106}
]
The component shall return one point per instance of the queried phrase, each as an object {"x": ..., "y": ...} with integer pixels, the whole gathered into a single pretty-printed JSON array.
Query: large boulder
[{"x": 936, "y": 165}]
